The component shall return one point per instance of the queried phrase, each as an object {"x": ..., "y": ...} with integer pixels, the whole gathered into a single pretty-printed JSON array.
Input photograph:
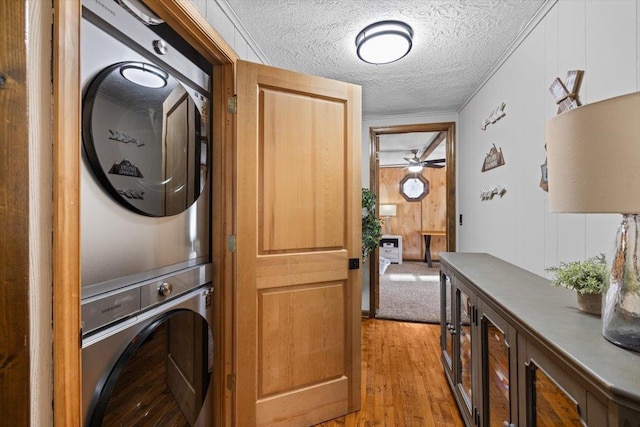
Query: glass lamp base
[{"x": 621, "y": 298}]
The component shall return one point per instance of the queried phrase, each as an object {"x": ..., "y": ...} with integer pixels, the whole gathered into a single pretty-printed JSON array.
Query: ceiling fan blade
[{"x": 434, "y": 161}]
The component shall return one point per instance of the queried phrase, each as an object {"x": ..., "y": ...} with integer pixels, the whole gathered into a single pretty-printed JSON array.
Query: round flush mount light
[
  {"x": 384, "y": 42},
  {"x": 144, "y": 75}
]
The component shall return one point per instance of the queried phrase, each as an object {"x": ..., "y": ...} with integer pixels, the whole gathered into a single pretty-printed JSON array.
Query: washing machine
[{"x": 154, "y": 368}]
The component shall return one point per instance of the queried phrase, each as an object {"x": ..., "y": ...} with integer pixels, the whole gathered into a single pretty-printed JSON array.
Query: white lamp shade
[
  {"x": 387, "y": 210},
  {"x": 593, "y": 156}
]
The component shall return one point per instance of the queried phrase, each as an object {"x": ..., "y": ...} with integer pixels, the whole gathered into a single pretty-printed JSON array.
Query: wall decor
[
  {"x": 495, "y": 115},
  {"x": 493, "y": 159},
  {"x": 126, "y": 168},
  {"x": 132, "y": 194},
  {"x": 544, "y": 178},
  {"x": 489, "y": 193},
  {"x": 414, "y": 187},
  {"x": 123, "y": 137},
  {"x": 566, "y": 94}
]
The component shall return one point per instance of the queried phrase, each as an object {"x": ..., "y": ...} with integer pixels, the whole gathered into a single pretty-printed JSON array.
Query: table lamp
[
  {"x": 593, "y": 155},
  {"x": 387, "y": 211}
]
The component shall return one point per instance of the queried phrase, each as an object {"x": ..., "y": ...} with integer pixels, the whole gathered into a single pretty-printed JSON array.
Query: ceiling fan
[{"x": 415, "y": 164}]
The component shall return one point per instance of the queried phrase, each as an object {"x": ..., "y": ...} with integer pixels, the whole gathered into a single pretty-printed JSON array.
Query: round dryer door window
[
  {"x": 163, "y": 376},
  {"x": 145, "y": 134}
]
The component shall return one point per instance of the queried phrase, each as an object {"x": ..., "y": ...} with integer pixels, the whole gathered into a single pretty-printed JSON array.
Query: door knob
[{"x": 3, "y": 80}]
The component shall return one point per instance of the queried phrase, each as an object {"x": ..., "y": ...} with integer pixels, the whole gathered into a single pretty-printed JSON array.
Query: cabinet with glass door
[
  {"x": 459, "y": 346},
  {"x": 498, "y": 369},
  {"x": 516, "y": 353}
]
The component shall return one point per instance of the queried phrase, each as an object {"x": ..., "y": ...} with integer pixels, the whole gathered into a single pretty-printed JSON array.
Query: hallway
[{"x": 403, "y": 383}]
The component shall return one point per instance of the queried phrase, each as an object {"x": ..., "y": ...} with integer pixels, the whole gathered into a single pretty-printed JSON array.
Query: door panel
[
  {"x": 288, "y": 362},
  {"x": 302, "y": 172},
  {"x": 298, "y": 211}
]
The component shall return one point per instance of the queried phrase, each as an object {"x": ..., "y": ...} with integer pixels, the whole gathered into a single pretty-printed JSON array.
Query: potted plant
[
  {"x": 587, "y": 278},
  {"x": 371, "y": 227}
]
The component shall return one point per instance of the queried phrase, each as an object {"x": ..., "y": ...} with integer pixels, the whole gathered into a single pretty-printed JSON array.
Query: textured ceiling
[{"x": 455, "y": 45}]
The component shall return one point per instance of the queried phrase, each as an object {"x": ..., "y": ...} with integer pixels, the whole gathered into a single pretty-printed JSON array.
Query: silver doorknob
[{"x": 165, "y": 289}]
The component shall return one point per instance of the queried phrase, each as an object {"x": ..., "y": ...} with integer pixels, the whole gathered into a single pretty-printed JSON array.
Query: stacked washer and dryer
[{"x": 147, "y": 345}]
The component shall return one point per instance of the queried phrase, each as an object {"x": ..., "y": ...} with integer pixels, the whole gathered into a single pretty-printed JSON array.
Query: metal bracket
[
  {"x": 231, "y": 243},
  {"x": 231, "y": 382},
  {"x": 232, "y": 104}
]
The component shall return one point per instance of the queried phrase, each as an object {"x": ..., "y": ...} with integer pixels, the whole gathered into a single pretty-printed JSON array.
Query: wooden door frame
[
  {"x": 374, "y": 133},
  {"x": 189, "y": 23}
]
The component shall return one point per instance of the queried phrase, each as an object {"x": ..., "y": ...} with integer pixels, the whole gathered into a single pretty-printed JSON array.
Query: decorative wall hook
[
  {"x": 132, "y": 194},
  {"x": 490, "y": 193},
  {"x": 123, "y": 137},
  {"x": 495, "y": 115}
]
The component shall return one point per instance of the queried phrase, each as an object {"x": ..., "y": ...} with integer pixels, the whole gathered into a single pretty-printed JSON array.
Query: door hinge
[
  {"x": 231, "y": 382},
  {"x": 232, "y": 104},
  {"x": 231, "y": 243}
]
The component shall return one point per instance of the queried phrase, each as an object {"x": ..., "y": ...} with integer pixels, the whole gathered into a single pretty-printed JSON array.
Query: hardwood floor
[{"x": 403, "y": 383}]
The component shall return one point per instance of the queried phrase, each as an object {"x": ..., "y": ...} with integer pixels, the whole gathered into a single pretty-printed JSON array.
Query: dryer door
[
  {"x": 163, "y": 376},
  {"x": 145, "y": 136}
]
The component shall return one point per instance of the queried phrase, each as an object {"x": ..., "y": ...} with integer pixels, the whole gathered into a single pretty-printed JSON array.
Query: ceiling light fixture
[
  {"x": 415, "y": 168},
  {"x": 384, "y": 42},
  {"x": 144, "y": 75}
]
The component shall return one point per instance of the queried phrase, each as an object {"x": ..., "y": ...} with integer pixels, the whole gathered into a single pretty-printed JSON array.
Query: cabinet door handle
[{"x": 508, "y": 424}]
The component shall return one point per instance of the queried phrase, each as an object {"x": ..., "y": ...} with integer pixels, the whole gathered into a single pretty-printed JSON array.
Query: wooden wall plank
[
  {"x": 14, "y": 218},
  {"x": 413, "y": 217}
]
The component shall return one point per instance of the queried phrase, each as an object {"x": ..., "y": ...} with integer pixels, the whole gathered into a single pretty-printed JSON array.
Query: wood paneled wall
[{"x": 413, "y": 217}]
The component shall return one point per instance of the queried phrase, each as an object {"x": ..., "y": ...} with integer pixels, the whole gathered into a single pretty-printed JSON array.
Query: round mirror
[
  {"x": 162, "y": 377},
  {"x": 145, "y": 135}
]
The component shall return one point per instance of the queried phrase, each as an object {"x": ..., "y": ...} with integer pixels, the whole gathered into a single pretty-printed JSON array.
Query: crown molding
[
  {"x": 531, "y": 25},
  {"x": 237, "y": 23}
]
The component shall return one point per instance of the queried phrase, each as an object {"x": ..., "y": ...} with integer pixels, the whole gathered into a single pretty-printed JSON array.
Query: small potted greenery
[
  {"x": 587, "y": 278},
  {"x": 371, "y": 227}
]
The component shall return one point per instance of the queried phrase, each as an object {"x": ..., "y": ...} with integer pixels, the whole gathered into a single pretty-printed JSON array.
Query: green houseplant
[
  {"x": 587, "y": 278},
  {"x": 371, "y": 225}
]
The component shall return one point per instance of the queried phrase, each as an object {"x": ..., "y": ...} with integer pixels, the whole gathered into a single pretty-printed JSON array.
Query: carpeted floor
[{"x": 411, "y": 292}]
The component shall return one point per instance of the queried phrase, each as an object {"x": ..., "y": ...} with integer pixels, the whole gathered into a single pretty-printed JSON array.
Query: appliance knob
[
  {"x": 160, "y": 46},
  {"x": 165, "y": 289}
]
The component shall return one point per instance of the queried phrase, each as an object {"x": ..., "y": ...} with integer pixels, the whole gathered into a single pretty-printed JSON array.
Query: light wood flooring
[{"x": 403, "y": 384}]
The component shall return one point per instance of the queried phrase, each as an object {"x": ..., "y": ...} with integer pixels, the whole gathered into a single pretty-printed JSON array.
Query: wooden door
[
  {"x": 184, "y": 363},
  {"x": 178, "y": 151},
  {"x": 299, "y": 221}
]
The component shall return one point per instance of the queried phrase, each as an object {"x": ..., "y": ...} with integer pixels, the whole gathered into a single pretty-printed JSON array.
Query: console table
[
  {"x": 427, "y": 244},
  {"x": 516, "y": 351}
]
